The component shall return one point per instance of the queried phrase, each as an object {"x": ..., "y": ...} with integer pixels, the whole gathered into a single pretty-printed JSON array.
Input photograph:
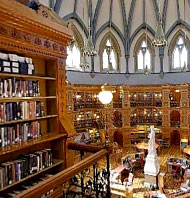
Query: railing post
[
  {"x": 82, "y": 179},
  {"x": 95, "y": 178},
  {"x": 108, "y": 172}
]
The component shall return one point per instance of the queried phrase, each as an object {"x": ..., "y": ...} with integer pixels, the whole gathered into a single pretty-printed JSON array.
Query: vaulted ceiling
[
  {"x": 127, "y": 20},
  {"x": 126, "y": 17}
]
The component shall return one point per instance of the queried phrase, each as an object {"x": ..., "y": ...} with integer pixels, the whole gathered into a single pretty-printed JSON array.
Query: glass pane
[
  {"x": 176, "y": 63},
  {"x": 140, "y": 60},
  {"x": 143, "y": 44},
  {"x": 113, "y": 60},
  {"x": 76, "y": 57},
  {"x": 105, "y": 60},
  {"x": 69, "y": 57},
  {"x": 108, "y": 43},
  {"x": 147, "y": 59},
  {"x": 184, "y": 56},
  {"x": 180, "y": 41},
  {"x": 73, "y": 58}
]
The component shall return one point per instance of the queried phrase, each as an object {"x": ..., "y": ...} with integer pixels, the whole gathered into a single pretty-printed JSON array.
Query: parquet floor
[{"x": 138, "y": 184}]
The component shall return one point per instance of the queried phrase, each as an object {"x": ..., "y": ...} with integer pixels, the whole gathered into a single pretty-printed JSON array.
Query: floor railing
[{"x": 87, "y": 178}]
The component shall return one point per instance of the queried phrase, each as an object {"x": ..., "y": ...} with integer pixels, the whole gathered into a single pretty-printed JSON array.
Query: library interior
[{"x": 94, "y": 99}]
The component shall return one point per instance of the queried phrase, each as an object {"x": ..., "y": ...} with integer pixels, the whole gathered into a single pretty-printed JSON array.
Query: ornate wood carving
[
  {"x": 16, "y": 34},
  {"x": 38, "y": 41},
  {"x": 3, "y": 30},
  {"x": 47, "y": 44}
]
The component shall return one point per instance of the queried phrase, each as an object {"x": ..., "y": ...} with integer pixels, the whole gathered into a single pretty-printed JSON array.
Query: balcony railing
[{"x": 85, "y": 179}]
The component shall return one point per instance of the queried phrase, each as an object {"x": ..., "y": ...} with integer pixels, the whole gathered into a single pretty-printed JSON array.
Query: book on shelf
[
  {"x": 12, "y": 63},
  {"x": 21, "y": 110},
  {"x": 25, "y": 165},
  {"x": 13, "y": 87},
  {"x": 10, "y": 135},
  {"x": 34, "y": 182}
]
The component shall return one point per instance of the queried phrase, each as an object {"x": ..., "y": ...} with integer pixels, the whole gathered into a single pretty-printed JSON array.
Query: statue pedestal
[
  {"x": 151, "y": 180},
  {"x": 151, "y": 171},
  {"x": 152, "y": 167}
]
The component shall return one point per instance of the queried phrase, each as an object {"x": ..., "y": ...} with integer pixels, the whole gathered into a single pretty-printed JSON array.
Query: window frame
[
  {"x": 74, "y": 67},
  {"x": 79, "y": 42},
  {"x": 115, "y": 54},
  {"x": 171, "y": 48},
  {"x": 177, "y": 46},
  {"x": 137, "y": 48},
  {"x": 115, "y": 48}
]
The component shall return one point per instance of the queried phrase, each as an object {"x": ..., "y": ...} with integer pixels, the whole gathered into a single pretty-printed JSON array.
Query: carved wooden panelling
[{"x": 24, "y": 37}]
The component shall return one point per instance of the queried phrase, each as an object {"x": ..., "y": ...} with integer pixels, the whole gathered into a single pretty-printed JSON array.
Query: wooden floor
[{"x": 138, "y": 183}]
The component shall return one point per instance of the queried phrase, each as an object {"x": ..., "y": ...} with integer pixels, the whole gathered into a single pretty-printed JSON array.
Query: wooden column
[
  {"x": 61, "y": 90},
  {"x": 165, "y": 111},
  {"x": 126, "y": 99},
  {"x": 184, "y": 110},
  {"x": 70, "y": 103},
  {"x": 126, "y": 113}
]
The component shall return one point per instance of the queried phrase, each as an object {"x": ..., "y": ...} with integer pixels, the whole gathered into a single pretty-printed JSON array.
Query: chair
[
  {"x": 176, "y": 171},
  {"x": 142, "y": 162},
  {"x": 128, "y": 181}
]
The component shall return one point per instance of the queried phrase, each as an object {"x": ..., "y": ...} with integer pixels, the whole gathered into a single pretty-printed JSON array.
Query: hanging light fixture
[
  {"x": 89, "y": 48},
  {"x": 159, "y": 39}
]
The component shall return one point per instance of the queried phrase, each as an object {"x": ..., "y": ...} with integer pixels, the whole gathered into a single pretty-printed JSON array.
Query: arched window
[
  {"x": 109, "y": 58},
  {"x": 73, "y": 58},
  {"x": 144, "y": 54},
  {"x": 144, "y": 57},
  {"x": 179, "y": 55},
  {"x": 74, "y": 50},
  {"x": 109, "y": 54},
  {"x": 179, "y": 52}
]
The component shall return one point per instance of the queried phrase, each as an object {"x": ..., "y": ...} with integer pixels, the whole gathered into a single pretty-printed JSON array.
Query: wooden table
[
  {"x": 186, "y": 151},
  {"x": 144, "y": 146},
  {"x": 121, "y": 190},
  {"x": 122, "y": 171},
  {"x": 158, "y": 194}
]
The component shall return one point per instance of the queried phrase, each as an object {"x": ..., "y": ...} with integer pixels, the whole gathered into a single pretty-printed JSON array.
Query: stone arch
[
  {"x": 116, "y": 49},
  {"x": 150, "y": 47},
  {"x": 172, "y": 45},
  {"x": 79, "y": 41}
]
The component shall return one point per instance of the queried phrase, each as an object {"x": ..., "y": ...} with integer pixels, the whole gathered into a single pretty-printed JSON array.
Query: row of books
[
  {"x": 13, "y": 171},
  {"x": 19, "y": 88},
  {"x": 18, "y": 133},
  {"x": 12, "y": 63},
  {"x": 27, "y": 186},
  {"x": 21, "y": 110}
]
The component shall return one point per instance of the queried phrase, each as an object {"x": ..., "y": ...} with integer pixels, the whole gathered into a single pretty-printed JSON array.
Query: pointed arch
[
  {"x": 116, "y": 50},
  {"x": 144, "y": 40},
  {"x": 173, "y": 47},
  {"x": 74, "y": 50},
  {"x": 77, "y": 36}
]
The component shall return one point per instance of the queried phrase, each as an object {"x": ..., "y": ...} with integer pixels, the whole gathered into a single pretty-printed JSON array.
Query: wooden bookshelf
[
  {"x": 56, "y": 162},
  {"x": 30, "y": 34},
  {"x": 164, "y": 106},
  {"x": 24, "y": 145},
  {"x": 28, "y": 120},
  {"x": 18, "y": 99},
  {"x": 26, "y": 77}
]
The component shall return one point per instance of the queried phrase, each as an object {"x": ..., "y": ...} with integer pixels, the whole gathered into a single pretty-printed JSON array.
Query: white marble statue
[
  {"x": 152, "y": 143},
  {"x": 152, "y": 166}
]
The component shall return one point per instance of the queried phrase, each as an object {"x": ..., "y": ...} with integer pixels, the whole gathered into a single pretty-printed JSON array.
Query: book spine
[{"x": 10, "y": 135}]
